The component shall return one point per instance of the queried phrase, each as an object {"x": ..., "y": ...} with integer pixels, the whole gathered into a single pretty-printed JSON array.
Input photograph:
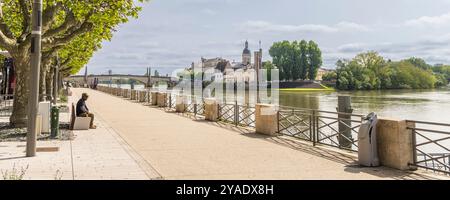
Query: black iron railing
[
  {"x": 195, "y": 105},
  {"x": 246, "y": 116},
  {"x": 171, "y": 101},
  {"x": 239, "y": 115},
  {"x": 321, "y": 127},
  {"x": 296, "y": 123},
  {"x": 431, "y": 143},
  {"x": 227, "y": 112}
]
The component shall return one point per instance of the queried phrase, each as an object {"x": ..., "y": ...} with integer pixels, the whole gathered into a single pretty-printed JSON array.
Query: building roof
[
  {"x": 246, "y": 50},
  {"x": 239, "y": 65},
  {"x": 215, "y": 63}
]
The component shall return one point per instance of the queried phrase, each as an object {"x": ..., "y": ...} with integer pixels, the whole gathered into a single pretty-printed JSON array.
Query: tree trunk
[
  {"x": 18, "y": 118},
  {"x": 49, "y": 83},
  {"x": 42, "y": 84}
]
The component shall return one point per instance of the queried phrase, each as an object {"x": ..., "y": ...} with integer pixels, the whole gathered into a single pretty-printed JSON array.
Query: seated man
[{"x": 83, "y": 111}]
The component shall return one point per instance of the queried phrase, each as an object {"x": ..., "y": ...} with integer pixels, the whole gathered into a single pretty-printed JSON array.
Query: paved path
[
  {"x": 99, "y": 154},
  {"x": 178, "y": 147}
]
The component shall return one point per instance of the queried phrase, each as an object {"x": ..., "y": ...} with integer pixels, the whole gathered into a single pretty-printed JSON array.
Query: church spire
[{"x": 246, "y": 54}]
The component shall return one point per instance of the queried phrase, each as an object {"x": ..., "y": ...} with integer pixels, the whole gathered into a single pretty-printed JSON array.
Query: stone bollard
[
  {"x": 266, "y": 119},
  {"x": 133, "y": 95},
  {"x": 211, "y": 110},
  {"x": 394, "y": 141},
  {"x": 142, "y": 96},
  {"x": 162, "y": 99},
  {"x": 180, "y": 104},
  {"x": 126, "y": 93},
  {"x": 154, "y": 98}
]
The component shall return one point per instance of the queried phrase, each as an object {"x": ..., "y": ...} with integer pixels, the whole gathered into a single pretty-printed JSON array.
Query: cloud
[
  {"x": 352, "y": 47},
  {"x": 264, "y": 26},
  {"x": 208, "y": 11},
  {"x": 433, "y": 49},
  {"x": 427, "y": 21},
  {"x": 352, "y": 26}
]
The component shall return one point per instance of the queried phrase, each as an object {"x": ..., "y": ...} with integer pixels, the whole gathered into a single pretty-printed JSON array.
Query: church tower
[{"x": 246, "y": 55}]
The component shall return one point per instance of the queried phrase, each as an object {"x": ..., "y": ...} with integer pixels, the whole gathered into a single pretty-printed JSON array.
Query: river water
[{"x": 422, "y": 105}]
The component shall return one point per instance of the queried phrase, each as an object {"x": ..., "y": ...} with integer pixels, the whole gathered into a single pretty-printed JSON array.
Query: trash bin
[
  {"x": 54, "y": 121},
  {"x": 367, "y": 142}
]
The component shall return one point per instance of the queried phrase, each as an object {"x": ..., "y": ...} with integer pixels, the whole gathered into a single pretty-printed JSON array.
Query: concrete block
[
  {"x": 162, "y": 99},
  {"x": 180, "y": 104},
  {"x": 133, "y": 95},
  {"x": 266, "y": 116},
  {"x": 211, "y": 110},
  {"x": 142, "y": 95},
  {"x": 394, "y": 141},
  {"x": 154, "y": 96}
]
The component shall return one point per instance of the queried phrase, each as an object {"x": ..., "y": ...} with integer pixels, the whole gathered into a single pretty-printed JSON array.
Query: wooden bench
[{"x": 78, "y": 123}]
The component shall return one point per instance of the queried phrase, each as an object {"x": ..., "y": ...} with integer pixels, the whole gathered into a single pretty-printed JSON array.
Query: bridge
[{"x": 144, "y": 79}]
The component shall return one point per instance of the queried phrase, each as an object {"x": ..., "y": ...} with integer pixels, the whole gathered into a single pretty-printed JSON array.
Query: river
[{"x": 422, "y": 105}]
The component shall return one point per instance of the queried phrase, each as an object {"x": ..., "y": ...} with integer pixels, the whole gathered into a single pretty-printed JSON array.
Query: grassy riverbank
[
  {"x": 307, "y": 90},
  {"x": 316, "y": 88}
]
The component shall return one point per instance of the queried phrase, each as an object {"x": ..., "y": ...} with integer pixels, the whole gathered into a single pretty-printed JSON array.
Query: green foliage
[
  {"x": 63, "y": 97},
  {"x": 296, "y": 60},
  {"x": 14, "y": 174},
  {"x": 268, "y": 66},
  {"x": 315, "y": 60},
  {"x": 330, "y": 76},
  {"x": 418, "y": 62},
  {"x": 73, "y": 29},
  {"x": 369, "y": 71},
  {"x": 444, "y": 70}
]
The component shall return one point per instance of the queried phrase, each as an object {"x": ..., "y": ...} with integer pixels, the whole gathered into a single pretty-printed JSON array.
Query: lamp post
[
  {"x": 33, "y": 105},
  {"x": 55, "y": 81},
  {"x": 110, "y": 78}
]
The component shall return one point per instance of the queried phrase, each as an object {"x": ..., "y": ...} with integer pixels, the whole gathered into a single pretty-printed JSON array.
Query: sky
[{"x": 171, "y": 34}]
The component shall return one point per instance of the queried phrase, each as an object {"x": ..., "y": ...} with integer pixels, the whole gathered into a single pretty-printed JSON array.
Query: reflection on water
[{"x": 427, "y": 105}]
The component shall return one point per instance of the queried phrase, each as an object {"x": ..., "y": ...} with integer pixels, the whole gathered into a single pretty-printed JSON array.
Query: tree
[
  {"x": 418, "y": 62},
  {"x": 62, "y": 22},
  {"x": 268, "y": 66},
  {"x": 330, "y": 76},
  {"x": 369, "y": 71},
  {"x": 296, "y": 60},
  {"x": 303, "y": 62},
  {"x": 315, "y": 60}
]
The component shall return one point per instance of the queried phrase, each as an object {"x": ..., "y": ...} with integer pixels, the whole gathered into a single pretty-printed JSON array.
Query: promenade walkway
[
  {"x": 174, "y": 146},
  {"x": 98, "y": 154}
]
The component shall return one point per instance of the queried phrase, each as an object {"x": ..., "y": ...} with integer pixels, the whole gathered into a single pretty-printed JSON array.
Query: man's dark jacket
[{"x": 81, "y": 107}]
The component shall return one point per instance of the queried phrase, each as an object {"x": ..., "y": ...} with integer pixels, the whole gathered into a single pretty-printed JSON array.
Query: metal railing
[
  {"x": 195, "y": 105},
  {"x": 227, "y": 113},
  {"x": 321, "y": 127},
  {"x": 171, "y": 101},
  {"x": 431, "y": 145},
  {"x": 6, "y": 105},
  {"x": 246, "y": 116},
  {"x": 239, "y": 115}
]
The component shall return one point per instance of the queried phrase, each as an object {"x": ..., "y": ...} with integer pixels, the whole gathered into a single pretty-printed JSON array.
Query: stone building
[
  {"x": 228, "y": 68},
  {"x": 321, "y": 72}
]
